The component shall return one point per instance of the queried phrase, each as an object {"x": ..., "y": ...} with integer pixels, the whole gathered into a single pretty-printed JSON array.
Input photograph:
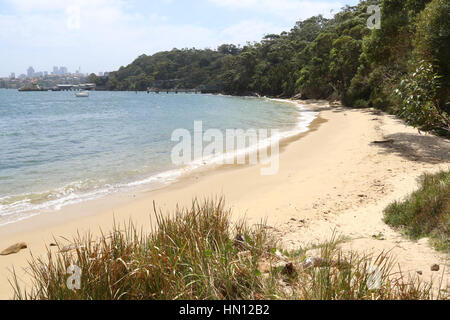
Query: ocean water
[{"x": 57, "y": 149}]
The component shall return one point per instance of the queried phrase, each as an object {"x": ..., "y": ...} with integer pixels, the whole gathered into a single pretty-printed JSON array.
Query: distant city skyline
[
  {"x": 31, "y": 72},
  {"x": 53, "y": 70},
  {"x": 107, "y": 34}
]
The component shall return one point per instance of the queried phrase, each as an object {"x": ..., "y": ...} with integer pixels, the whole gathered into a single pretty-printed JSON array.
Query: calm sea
[{"x": 57, "y": 149}]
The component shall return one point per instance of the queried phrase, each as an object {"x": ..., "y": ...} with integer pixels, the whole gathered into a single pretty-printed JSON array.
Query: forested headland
[{"x": 402, "y": 67}]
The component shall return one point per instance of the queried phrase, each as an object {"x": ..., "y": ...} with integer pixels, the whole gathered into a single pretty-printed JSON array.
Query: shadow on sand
[{"x": 419, "y": 148}]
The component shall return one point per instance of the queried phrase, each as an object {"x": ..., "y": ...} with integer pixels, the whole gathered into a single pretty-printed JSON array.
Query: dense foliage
[
  {"x": 339, "y": 58},
  {"x": 187, "y": 68}
]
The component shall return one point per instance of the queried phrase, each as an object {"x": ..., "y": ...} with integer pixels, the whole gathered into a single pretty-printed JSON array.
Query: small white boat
[{"x": 84, "y": 94}]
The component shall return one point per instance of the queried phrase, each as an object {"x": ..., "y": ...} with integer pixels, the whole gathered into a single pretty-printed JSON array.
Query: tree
[
  {"x": 344, "y": 63},
  {"x": 93, "y": 78},
  {"x": 432, "y": 44},
  {"x": 229, "y": 49},
  {"x": 420, "y": 95},
  {"x": 314, "y": 81}
]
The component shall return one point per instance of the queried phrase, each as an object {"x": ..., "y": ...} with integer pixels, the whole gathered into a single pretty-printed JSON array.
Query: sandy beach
[{"x": 331, "y": 178}]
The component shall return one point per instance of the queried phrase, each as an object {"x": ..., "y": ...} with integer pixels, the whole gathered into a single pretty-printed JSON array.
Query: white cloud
[
  {"x": 57, "y": 5},
  {"x": 98, "y": 35},
  {"x": 288, "y": 9},
  {"x": 248, "y": 30},
  {"x": 73, "y": 13}
]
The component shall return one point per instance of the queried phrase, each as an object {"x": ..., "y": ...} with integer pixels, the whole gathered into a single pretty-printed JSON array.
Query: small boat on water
[{"x": 84, "y": 94}]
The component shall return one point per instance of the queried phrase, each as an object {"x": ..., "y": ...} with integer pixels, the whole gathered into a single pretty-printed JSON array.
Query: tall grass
[
  {"x": 198, "y": 254},
  {"x": 426, "y": 212}
]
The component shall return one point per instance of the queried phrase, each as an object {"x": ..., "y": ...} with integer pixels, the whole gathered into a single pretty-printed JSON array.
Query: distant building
[
  {"x": 12, "y": 75},
  {"x": 59, "y": 71},
  {"x": 100, "y": 74},
  {"x": 30, "y": 72}
]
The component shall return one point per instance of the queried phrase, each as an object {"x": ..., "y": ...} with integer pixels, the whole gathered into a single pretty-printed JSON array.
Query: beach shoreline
[
  {"x": 177, "y": 175},
  {"x": 29, "y": 196},
  {"x": 323, "y": 176}
]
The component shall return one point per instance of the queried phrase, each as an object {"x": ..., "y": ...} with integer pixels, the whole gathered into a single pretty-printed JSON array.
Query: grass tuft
[
  {"x": 426, "y": 212},
  {"x": 198, "y": 254}
]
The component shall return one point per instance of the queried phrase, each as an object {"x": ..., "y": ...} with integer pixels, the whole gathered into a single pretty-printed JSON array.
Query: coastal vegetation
[
  {"x": 200, "y": 254},
  {"x": 400, "y": 68},
  {"x": 426, "y": 212}
]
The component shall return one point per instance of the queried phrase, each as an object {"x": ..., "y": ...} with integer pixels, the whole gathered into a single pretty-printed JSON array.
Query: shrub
[{"x": 426, "y": 212}]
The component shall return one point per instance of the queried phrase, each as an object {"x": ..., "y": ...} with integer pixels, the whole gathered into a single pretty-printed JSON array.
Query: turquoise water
[{"x": 57, "y": 149}]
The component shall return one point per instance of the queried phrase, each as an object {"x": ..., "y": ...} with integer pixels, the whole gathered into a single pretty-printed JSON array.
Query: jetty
[
  {"x": 176, "y": 91},
  {"x": 75, "y": 87},
  {"x": 60, "y": 87}
]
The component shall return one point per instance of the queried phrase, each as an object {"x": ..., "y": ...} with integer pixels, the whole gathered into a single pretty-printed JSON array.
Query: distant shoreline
[{"x": 173, "y": 90}]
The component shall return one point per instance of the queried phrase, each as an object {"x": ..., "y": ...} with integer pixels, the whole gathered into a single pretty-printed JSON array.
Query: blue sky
[{"x": 102, "y": 35}]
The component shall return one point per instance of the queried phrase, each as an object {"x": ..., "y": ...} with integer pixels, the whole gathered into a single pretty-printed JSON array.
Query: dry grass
[{"x": 198, "y": 254}]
